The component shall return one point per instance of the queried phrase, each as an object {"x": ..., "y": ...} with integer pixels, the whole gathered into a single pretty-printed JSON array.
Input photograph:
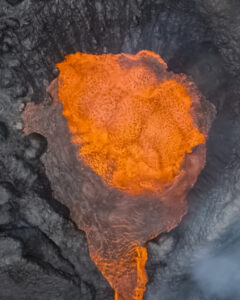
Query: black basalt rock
[
  {"x": 14, "y": 2},
  {"x": 36, "y": 145},
  {"x": 6, "y": 192},
  {"x": 3, "y": 132}
]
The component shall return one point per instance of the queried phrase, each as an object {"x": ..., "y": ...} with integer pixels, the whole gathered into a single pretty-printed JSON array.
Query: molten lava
[
  {"x": 123, "y": 158},
  {"x": 133, "y": 125}
]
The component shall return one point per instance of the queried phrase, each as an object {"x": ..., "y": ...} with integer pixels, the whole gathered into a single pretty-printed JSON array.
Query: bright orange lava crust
[
  {"x": 134, "y": 129},
  {"x": 133, "y": 125}
]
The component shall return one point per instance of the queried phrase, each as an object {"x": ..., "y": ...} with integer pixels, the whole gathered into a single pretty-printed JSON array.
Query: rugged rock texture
[{"x": 42, "y": 254}]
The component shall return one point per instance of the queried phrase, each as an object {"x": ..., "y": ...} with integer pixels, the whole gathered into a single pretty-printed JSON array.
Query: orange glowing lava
[
  {"x": 134, "y": 126},
  {"x": 133, "y": 265},
  {"x": 133, "y": 123}
]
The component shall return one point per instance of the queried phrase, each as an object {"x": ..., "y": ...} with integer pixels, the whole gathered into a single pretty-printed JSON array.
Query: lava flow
[
  {"x": 126, "y": 142},
  {"x": 133, "y": 124}
]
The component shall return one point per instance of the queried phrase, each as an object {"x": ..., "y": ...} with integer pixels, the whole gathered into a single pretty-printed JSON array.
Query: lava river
[{"x": 138, "y": 135}]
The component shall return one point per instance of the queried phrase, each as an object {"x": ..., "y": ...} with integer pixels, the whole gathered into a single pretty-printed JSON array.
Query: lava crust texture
[
  {"x": 127, "y": 115},
  {"x": 131, "y": 118}
]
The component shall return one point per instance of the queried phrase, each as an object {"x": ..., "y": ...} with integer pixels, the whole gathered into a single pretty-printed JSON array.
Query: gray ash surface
[{"x": 42, "y": 253}]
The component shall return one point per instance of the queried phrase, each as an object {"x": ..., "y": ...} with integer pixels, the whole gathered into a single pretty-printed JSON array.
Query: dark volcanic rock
[
  {"x": 42, "y": 254},
  {"x": 36, "y": 145},
  {"x": 49, "y": 256},
  {"x": 14, "y": 2},
  {"x": 6, "y": 192},
  {"x": 3, "y": 132},
  {"x": 24, "y": 278}
]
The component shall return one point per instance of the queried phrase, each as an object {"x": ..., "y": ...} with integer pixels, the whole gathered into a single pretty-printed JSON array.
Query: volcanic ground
[{"x": 43, "y": 253}]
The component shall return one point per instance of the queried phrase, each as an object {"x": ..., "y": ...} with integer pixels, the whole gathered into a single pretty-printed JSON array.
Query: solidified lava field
[{"x": 50, "y": 192}]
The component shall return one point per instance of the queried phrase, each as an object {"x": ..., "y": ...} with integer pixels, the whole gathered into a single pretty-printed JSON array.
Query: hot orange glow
[
  {"x": 133, "y": 124},
  {"x": 129, "y": 271}
]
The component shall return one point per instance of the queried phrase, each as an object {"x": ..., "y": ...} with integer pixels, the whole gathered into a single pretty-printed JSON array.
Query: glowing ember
[
  {"x": 134, "y": 126},
  {"x": 142, "y": 130}
]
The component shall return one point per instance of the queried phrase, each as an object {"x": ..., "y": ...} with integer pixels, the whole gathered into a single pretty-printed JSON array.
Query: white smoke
[{"x": 217, "y": 270}]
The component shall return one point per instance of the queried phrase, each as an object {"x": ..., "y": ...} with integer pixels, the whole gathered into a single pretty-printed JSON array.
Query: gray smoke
[{"x": 217, "y": 269}]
